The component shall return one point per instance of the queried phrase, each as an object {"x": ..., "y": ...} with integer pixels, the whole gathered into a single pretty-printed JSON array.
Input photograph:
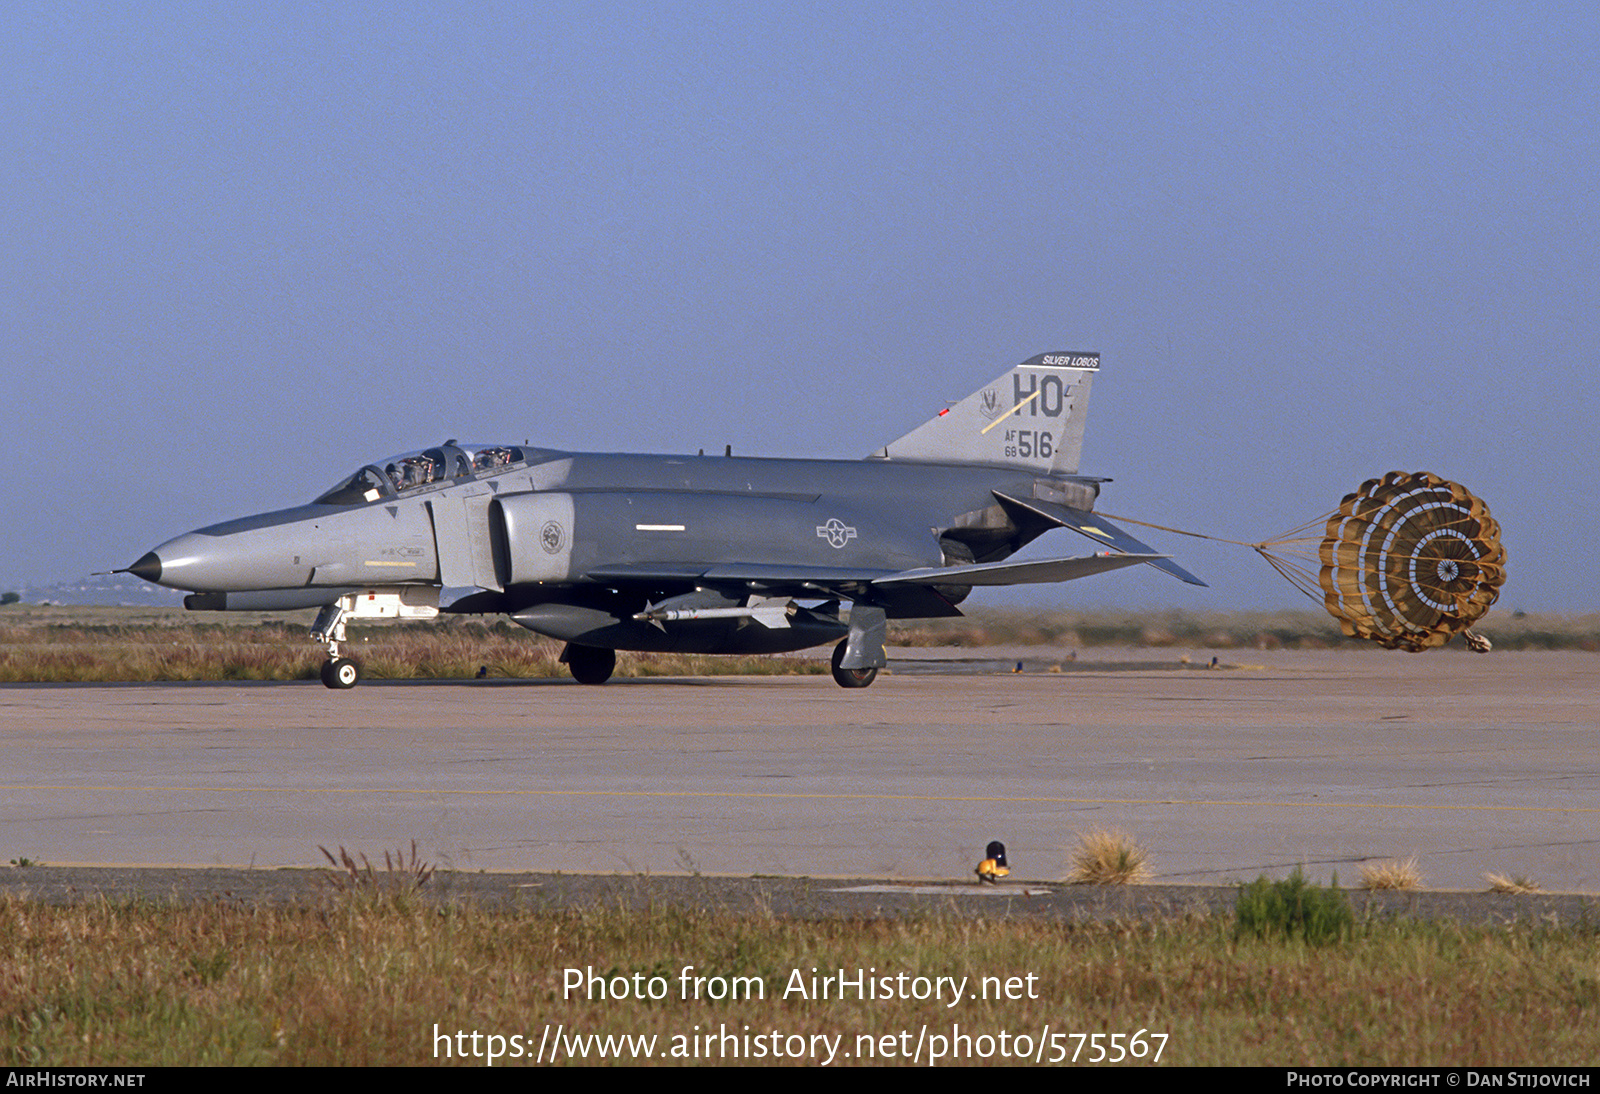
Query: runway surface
[{"x": 1469, "y": 763}]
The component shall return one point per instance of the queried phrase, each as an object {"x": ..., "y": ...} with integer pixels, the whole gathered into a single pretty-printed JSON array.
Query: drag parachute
[
  {"x": 1410, "y": 560},
  {"x": 1407, "y": 561}
]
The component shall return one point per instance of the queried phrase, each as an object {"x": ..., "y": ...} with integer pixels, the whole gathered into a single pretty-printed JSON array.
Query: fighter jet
[{"x": 701, "y": 554}]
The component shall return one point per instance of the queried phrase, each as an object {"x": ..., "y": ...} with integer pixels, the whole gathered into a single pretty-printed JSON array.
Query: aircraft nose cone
[
  {"x": 219, "y": 559},
  {"x": 148, "y": 567}
]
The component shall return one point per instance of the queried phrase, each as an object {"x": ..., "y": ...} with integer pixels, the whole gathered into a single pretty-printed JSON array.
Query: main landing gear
[
  {"x": 850, "y": 678},
  {"x": 589, "y": 664},
  {"x": 858, "y": 658}
]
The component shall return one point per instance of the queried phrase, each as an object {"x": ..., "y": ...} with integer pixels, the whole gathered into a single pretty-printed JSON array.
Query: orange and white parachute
[{"x": 1408, "y": 561}]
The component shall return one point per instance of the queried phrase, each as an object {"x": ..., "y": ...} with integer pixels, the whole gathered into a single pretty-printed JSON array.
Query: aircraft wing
[
  {"x": 852, "y": 582},
  {"x": 1016, "y": 573},
  {"x": 1099, "y": 529},
  {"x": 759, "y": 573},
  {"x": 802, "y": 582},
  {"x": 903, "y": 593}
]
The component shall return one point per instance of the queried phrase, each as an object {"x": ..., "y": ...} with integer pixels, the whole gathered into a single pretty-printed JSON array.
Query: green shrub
[{"x": 1294, "y": 908}]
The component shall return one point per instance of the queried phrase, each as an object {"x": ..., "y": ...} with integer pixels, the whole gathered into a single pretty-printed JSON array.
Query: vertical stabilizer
[{"x": 1032, "y": 417}]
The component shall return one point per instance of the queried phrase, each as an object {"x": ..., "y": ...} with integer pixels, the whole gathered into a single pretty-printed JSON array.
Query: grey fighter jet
[{"x": 702, "y": 554}]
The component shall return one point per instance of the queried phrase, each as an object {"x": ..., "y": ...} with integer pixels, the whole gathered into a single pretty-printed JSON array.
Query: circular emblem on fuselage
[
  {"x": 836, "y": 532},
  {"x": 552, "y": 537}
]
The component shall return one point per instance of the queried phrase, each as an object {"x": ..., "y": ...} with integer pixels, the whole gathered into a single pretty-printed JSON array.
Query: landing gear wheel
[
  {"x": 341, "y": 674},
  {"x": 850, "y": 678},
  {"x": 591, "y": 665}
]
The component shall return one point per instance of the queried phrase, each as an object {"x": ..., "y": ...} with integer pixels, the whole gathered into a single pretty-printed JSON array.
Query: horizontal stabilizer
[
  {"x": 1016, "y": 573},
  {"x": 1100, "y": 530}
]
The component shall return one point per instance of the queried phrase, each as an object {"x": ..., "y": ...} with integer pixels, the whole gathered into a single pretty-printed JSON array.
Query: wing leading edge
[
  {"x": 853, "y": 583},
  {"x": 1016, "y": 573}
]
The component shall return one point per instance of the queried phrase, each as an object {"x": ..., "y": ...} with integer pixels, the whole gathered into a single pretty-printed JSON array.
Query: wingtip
[{"x": 1167, "y": 566}]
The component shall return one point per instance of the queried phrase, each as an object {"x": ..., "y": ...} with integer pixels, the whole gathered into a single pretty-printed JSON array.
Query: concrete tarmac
[{"x": 1321, "y": 759}]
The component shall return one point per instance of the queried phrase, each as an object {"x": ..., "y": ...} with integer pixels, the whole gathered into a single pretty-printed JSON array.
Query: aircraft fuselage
[{"x": 717, "y": 554}]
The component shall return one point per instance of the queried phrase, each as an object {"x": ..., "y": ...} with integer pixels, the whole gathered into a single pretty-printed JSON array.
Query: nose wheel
[{"x": 340, "y": 673}]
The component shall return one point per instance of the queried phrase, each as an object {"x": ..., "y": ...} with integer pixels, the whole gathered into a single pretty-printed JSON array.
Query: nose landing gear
[
  {"x": 339, "y": 673},
  {"x": 391, "y": 602}
]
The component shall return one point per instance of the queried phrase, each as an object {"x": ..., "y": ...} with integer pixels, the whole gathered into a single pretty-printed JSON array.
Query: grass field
[
  {"x": 102, "y": 648},
  {"x": 369, "y": 977},
  {"x": 66, "y": 644}
]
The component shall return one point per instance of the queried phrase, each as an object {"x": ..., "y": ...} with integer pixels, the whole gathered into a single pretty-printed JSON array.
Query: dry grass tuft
[
  {"x": 1109, "y": 857},
  {"x": 1391, "y": 874},
  {"x": 400, "y": 874},
  {"x": 1500, "y": 883}
]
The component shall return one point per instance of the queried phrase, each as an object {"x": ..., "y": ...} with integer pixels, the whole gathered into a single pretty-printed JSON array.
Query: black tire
[
  {"x": 340, "y": 674},
  {"x": 590, "y": 664},
  {"x": 850, "y": 678}
]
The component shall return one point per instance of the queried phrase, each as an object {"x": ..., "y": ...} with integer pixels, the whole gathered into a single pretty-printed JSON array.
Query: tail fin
[{"x": 1032, "y": 417}]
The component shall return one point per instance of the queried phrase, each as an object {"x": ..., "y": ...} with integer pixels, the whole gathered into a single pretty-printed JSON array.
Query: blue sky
[{"x": 249, "y": 247}]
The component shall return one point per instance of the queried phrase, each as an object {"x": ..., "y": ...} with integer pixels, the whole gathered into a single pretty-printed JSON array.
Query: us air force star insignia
[{"x": 836, "y": 532}]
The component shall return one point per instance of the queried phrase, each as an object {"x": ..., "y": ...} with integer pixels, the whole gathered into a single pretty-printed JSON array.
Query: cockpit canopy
[{"x": 412, "y": 471}]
